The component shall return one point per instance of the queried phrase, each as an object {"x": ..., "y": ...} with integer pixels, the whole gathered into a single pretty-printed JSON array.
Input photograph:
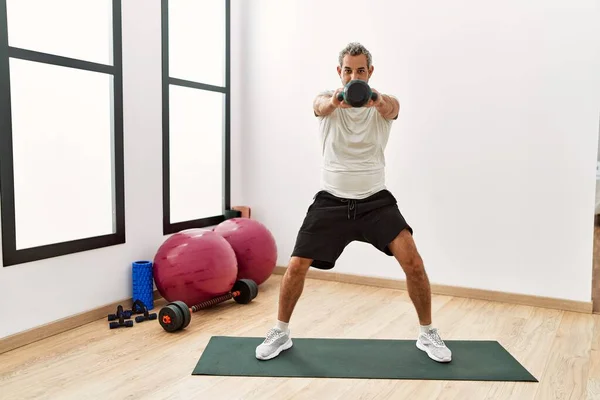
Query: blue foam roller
[{"x": 143, "y": 288}]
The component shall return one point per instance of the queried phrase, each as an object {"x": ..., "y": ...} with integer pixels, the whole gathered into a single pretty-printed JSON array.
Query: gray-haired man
[{"x": 354, "y": 205}]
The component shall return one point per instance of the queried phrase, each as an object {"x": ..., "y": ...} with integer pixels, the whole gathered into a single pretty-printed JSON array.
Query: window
[
  {"x": 196, "y": 109},
  {"x": 61, "y": 128}
]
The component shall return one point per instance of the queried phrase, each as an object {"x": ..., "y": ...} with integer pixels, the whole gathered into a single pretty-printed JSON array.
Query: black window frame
[
  {"x": 167, "y": 81},
  {"x": 10, "y": 254}
]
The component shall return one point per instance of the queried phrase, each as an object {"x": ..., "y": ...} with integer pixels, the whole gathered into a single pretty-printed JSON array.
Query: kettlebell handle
[{"x": 340, "y": 96}]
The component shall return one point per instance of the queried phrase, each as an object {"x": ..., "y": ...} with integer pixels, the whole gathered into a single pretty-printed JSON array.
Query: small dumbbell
[
  {"x": 177, "y": 315},
  {"x": 120, "y": 312}
]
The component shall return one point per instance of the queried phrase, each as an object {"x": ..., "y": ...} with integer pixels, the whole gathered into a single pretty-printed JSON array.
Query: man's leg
[
  {"x": 278, "y": 338},
  {"x": 382, "y": 225},
  {"x": 320, "y": 241},
  {"x": 291, "y": 288},
  {"x": 405, "y": 251}
]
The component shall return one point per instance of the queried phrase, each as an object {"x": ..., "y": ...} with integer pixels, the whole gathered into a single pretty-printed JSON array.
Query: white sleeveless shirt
[{"x": 353, "y": 142}]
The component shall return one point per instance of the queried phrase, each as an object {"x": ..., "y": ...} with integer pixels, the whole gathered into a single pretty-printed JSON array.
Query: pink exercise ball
[
  {"x": 254, "y": 247},
  {"x": 194, "y": 265}
]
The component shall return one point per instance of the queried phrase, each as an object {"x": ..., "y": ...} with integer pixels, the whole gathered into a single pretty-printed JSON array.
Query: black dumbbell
[
  {"x": 357, "y": 93},
  {"x": 177, "y": 315},
  {"x": 120, "y": 312}
]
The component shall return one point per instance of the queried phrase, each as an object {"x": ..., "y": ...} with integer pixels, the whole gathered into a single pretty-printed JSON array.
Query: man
[{"x": 354, "y": 205}]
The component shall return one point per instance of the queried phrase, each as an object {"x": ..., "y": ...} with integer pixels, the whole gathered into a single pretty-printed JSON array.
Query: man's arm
[
  {"x": 326, "y": 103},
  {"x": 388, "y": 106}
]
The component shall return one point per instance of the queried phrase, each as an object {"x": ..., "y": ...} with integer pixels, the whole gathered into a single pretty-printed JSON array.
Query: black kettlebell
[{"x": 357, "y": 93}]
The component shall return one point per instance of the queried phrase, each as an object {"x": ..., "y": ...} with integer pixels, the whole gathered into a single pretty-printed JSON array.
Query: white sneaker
[
  {"x": 434, "y": 346},
  {"x": 275, "y": 342}
]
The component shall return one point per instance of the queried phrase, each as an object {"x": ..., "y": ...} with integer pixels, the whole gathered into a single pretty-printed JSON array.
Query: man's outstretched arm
[
  {"x": 325, "y": 103},
  {"x": 388, "y": 106}
]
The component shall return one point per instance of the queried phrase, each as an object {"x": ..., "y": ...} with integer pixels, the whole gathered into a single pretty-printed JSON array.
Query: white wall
[
  {"x": 503, "y": 78},
  {"x": 493, "y": 157},
  {"x": 39, "y": 292}
]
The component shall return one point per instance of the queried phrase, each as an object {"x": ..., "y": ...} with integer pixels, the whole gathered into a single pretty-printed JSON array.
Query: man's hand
[
  {"x": 336, "y": 103},
  {"x": 387, "y": 106},
  {"x": 326, "y": 103}
]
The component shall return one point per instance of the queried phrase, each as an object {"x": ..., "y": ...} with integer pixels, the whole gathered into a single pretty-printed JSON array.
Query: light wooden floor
[{"x": 562, "y": 349}]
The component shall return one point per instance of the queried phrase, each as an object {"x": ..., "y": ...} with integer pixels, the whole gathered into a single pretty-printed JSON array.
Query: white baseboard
[{"x": 505, "y": 297}]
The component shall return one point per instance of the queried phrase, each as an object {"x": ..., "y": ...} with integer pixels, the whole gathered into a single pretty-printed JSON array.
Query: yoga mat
[{"x": 475, "y": 360}]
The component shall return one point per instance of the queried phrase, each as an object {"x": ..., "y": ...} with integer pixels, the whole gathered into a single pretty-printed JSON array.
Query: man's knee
[
  {"x": 404, "y": 249},
  {"x": 413, "y": 266},
  {"x": 298, "y": 267}
]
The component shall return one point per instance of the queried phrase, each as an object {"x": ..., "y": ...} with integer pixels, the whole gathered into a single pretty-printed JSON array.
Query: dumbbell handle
[{"x": 216, "y": 300}]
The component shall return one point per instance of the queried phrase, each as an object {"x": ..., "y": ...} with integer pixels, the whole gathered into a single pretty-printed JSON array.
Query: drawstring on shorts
[{"x": 351, "y": 206}]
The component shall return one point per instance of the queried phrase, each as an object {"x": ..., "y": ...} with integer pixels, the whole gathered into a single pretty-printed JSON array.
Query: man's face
[{"x": 354, "y": 67}]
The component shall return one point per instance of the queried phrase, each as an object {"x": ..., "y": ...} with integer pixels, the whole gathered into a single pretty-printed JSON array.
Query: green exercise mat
[{"x": 475, "y": 360}]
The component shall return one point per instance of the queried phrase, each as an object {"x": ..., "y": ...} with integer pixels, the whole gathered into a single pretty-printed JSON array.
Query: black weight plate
[
  {"x": 185, "y": 311},
  {"x": 254, "y": 290},
  {"x": 246, "y": 288},
  {"x": 170, "y": 318}
]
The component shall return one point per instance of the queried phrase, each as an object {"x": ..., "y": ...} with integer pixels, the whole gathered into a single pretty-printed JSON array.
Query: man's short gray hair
[{"x": 355, "y": 49}]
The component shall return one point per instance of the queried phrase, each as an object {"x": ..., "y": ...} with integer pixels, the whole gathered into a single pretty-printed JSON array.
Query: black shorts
[{"x": 331, "y": 223}]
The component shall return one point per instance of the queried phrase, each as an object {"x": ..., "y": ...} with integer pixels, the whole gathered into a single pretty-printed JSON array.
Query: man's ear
[
  {"x": 371, "y": 70},
  {"x": 339, "y": 70}
]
